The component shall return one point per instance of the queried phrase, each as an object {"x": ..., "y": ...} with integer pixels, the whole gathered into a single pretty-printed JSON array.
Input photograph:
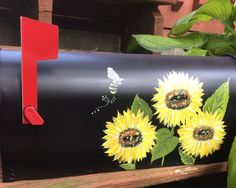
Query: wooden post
[
  {"x": 158, "y": 22},
  {"x": 45, "y": 10},
  {"x": 125, "y": 179},
  {"x": 1, "y": 169},
  {"x": 141, "y": 19}
]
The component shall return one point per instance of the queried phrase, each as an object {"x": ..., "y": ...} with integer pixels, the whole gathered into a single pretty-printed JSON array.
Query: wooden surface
[
  {"x": 1, "y": 173},
  {"x": 162, "y": 2},
  {"x": 125, "y": 179},
  {"x": 75, "y": 18},
  {"x": 18, "y": 48},
  {"x": 45, "y": 7},
  {"x": 5, "y": 47},
  {"x": 45, "y": 10},
  {"x": 158, "y": 22}
]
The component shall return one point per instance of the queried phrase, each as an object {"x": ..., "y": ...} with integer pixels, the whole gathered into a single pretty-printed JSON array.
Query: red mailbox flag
[{"x": 39, "y": 41}]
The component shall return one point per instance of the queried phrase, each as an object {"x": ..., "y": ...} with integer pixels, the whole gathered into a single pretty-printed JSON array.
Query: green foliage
[
  {"x": 185, "y": 23},
  {"x": 231, "y": 180},
  {"x": 166, "y": 143},
  {"x": 185, "y": 158},
  {"x": 220, "y": 44},
  {"x": 158, "y": 43},
  {"x": 128, "y": 166},
  {"x": 218, "y": 101},
  {"x": 140, "y": 104},
  {"x": 222, "y": 10},
  {"x": 196, "y": 52}
]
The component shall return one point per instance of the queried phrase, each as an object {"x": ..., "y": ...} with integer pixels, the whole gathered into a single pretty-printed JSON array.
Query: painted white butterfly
[{"x": 115, "y": 80}]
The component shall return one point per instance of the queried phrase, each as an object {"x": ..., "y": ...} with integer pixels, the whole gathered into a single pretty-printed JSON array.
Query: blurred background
[{"x": 99, "y": 25}]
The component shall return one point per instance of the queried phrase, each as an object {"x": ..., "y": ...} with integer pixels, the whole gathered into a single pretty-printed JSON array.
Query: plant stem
[
  {"x": 162, "y": 161},
  {"x": 172, "y": 130},
  {"x": 230, "y": 28}
]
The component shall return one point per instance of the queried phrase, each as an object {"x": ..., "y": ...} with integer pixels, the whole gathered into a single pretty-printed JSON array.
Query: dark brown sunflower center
[
  {"x": 203, "y": 133},
  {"x": 130, "y": 138},
  {"x": 177, "y": 99}
]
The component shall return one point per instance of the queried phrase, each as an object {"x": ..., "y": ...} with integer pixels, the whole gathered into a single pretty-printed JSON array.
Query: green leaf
[
  {"x": 218, "y": 101},
  {"x": 185, "y": 23},
  {"x": 159, "y": 43},
  {"x": 224, "y": 50},
  {"x": 221, "y": 10},
  {"x": 128, "y": 166},
  {"x": 234, "y": 15},
  {"x": 231, "y": 180},
  {"x": 221, "y": 44},
  {"x": 185, "y": 158},
  {"x": 217, "y": 9},
  {"x": 196, "y": 52},
  {"x": 166, "y": 143},
  {"x": 140, "y": 104}
]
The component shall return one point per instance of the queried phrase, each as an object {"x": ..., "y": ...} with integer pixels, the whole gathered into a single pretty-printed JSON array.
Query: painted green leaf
[
  {"x": 166, "y": 143},
  {"x": 128, "y": 166},
  {"x": 140, "y": 104},
  {"x": 185, "y": 158},
  {"x": 218, "y": 101},
  {"x": 213, "y": 9},
  {"x": 231, "y": 180},
  {"x": 196, "y": 52},
  {"x": 159, "y": 43}
]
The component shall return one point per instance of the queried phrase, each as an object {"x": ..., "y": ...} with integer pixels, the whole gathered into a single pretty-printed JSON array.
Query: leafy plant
[
  {"x": 231, "y": 181},
  {"x": 198, "y": 43},
  {"x": 202, "y": 44}
]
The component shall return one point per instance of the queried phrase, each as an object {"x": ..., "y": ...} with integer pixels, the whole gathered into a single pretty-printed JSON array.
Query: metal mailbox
[{"x": 70, "y": 90}]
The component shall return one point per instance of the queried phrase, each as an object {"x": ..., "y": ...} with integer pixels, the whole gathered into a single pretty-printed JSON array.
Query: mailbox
[
  {"x": 78, "y": 93},
  {"x": 70, "y": 89}
]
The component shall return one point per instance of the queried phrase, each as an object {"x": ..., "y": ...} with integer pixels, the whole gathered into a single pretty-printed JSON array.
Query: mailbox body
[{"x": 70, "y": 88}]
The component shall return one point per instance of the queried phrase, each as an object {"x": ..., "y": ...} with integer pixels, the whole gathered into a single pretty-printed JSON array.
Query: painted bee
[{"x": 115, "y": 80}]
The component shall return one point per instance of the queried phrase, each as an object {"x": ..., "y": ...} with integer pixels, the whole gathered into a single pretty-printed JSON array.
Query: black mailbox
[{"x": 70, "y": 91}]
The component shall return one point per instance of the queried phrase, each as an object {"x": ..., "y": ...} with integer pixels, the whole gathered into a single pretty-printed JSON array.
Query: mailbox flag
[{"x": 39, "y": 41}]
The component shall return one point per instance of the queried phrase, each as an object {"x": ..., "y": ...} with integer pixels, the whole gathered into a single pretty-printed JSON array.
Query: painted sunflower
[
  {"x": 178, "y": 97},
  {"x": 202, "y": 134},
  {"x": 129, "y": 137}
]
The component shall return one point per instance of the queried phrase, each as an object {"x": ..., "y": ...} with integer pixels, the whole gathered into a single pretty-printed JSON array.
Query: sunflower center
[
  {"x": 177, "y": 99},
  {"x": 203, "y": 133},
  {"x": 130, "y": 137}
]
